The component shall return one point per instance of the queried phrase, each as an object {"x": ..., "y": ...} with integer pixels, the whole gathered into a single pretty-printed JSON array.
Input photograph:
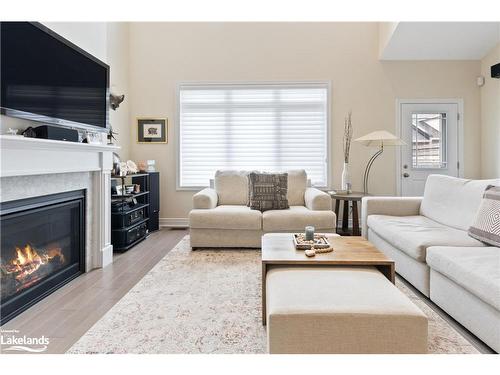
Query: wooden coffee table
[{"x": 278, "y": 250}]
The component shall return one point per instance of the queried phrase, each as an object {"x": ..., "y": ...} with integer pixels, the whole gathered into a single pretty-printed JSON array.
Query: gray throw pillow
[
  {"x": 268, "y": 191},
  {"x": 486, "y": 226}
]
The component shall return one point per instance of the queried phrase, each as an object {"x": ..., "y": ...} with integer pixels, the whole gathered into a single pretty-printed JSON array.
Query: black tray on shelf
[
  {"x": 125, "y": 218},
  {"x": 125, "y": 238}
]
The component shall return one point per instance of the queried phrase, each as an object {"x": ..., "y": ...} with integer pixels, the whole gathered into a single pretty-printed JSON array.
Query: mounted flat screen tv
[{"x": 46, "y": 78}]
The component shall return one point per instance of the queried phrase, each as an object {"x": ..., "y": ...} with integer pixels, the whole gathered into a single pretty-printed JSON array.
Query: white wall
[
  {"x": 490, "y": 117},
  {"x": 164, "y": 54},
  {"x": 90, "y": 36}
]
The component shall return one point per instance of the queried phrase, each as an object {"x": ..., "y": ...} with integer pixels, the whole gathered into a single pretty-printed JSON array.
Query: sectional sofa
[
  {"x": 221, "y": 218},
  {"x": 427, "y": 238}
]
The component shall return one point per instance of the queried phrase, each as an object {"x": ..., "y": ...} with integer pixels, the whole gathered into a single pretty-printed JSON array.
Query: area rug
[{"x": 209, "y": 301}]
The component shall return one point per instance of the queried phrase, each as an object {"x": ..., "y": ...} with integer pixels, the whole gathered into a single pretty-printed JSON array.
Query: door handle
[{"x": 406, "y": 175}]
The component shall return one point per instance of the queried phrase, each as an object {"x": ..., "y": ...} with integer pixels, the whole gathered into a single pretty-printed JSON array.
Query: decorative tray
[{"x": 320, "y": 242}]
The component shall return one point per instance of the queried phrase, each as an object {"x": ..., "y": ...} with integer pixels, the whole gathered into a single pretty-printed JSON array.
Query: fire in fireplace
[
  {"x": 28, "y": 267},
  {"x": 43, "y": 247}
]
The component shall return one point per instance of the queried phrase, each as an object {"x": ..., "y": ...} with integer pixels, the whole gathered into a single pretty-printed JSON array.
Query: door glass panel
[{"x": 428, "y": 140}]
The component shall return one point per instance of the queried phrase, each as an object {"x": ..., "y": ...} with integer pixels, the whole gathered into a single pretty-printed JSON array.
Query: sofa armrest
[
  {"x": 207, "y": 198},
  {"x": 393, "y": 206},
  {"x": 317, "y": 200}
]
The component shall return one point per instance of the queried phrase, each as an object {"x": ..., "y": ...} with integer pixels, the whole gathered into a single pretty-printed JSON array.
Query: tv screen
[{"x": 46, "y": 78}]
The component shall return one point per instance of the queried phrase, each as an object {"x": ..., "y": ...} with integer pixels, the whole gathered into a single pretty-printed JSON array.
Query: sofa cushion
[
  {"x": 486, "y": 226},
  {"x": 476, "y": 269},
  {"x": 297, "y": 184},
  {"x": 453, "y": 201},
  {"x": 340, "y": 310},
  {"x": 231, "y": 187},
  {"x": 226, "y": 217},
  {"x": 267, "y": 191},
  {"x": 296, "y": 218},
  {"x": 414, "y": 234}
]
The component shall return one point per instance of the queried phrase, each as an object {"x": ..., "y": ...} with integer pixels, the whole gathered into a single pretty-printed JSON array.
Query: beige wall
[
  {"x": 118, "y": 59},
  {"x": 490, "y": 117},
  {"x": 164, "y": 54}
]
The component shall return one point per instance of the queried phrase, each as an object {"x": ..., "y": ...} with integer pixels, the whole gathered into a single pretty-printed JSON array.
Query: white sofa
[
  {"x": 221, "y": 218},
  {"x": 428, "y": 240}
]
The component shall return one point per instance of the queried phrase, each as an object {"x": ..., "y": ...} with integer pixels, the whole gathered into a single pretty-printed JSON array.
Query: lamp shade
[{"x": 380, "y": 138}]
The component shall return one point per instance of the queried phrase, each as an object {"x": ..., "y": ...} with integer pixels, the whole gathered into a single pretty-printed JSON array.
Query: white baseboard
[{"x": 174, "y": 222}]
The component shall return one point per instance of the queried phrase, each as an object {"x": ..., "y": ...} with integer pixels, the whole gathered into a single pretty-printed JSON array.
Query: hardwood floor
[{"x": 68, "y": 313}]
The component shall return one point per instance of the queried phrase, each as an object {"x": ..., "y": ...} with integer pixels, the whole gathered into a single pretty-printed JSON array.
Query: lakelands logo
[{"x": 10, "y": 340}]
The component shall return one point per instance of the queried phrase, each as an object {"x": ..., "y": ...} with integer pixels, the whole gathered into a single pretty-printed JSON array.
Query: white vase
[{"x": 346, "y": 178}]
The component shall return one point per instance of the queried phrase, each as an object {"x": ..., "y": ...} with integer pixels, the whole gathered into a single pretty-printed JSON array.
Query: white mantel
[{"x": 33, "y": 167}]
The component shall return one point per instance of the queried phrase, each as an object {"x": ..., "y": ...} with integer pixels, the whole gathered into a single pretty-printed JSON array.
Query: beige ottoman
[{"x": 340, "y": 310}]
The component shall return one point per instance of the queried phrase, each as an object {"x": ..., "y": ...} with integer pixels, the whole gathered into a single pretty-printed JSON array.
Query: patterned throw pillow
[
  {"x": 486, "y": 227},
  {"x": 268, "y": 191}
]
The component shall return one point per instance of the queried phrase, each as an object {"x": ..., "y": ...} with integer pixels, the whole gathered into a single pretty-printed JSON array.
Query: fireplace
[{"x": 42, "y": 248}]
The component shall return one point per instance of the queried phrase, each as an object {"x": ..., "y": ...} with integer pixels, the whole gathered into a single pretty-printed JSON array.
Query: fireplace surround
[
  {"x": 42, "y": 248},
  {"x": 33, "y": 168}
]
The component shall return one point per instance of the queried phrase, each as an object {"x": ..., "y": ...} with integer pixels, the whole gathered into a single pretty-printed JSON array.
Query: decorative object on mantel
[
  {"x": 320, "y": 242},
  {"x": 150, "y": 130},
  {"x": 93, "y": 138},
  {"x": 115, "y": 101},
  {"x": 379, "y": 138},
  {"x": 12, "y": 131},
  {"x": 151, "y": 165},
  {"x": 346, "y": 144}
]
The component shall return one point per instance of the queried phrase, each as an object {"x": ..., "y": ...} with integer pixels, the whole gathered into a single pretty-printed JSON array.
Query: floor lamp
[{"x": 380, "y": 139}]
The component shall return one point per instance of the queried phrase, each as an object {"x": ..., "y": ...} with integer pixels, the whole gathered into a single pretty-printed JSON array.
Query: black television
[{"x": 48, "y": 79}]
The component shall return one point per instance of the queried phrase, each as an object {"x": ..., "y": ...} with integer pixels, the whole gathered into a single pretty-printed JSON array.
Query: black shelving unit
[{"x": 130, "y": 213}]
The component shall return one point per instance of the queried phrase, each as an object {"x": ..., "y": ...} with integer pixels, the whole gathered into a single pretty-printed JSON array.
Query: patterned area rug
[{"x": 209, "y": 302}]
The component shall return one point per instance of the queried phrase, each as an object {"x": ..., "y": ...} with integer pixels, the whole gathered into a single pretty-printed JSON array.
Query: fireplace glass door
[{"x": 42, "y": 247}]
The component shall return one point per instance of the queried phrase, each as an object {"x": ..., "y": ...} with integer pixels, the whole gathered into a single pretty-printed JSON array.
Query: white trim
[
  {"x": 173, "y": 222},
  {"x": 26, "y": 143},
  {"x": 460, "y": 131},
  {"x": 176, "y": 125}
]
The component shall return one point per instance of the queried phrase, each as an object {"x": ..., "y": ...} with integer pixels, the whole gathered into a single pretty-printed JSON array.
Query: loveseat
[
  {"x": 427, "y": 238},
  {"x": 221, "y": 218}
]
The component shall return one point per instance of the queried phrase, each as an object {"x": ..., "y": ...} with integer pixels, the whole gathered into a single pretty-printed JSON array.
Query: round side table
[{"x": 353, "y": 198}]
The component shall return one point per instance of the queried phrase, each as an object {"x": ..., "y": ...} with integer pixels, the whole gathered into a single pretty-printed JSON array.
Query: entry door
[{"x": 430, "y": 131}]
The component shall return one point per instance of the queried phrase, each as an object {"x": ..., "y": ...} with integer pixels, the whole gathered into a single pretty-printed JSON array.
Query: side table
[{"x": 353, "y": 198}]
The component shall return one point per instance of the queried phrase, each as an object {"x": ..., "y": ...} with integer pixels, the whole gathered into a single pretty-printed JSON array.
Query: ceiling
[{"x": 440, "y": 40}]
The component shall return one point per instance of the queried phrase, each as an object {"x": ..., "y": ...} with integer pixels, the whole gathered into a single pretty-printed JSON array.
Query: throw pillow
[
  {"x": 268, "y": 191},
  {"x": 486, "y": 226}
]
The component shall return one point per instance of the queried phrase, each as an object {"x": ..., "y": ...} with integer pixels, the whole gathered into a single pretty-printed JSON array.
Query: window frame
[
  {"x": 176, "y": 126},
  {"x": 443, "y": 145}
]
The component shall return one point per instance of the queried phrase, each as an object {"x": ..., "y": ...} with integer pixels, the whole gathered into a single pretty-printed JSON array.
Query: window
[
  {"x": 429, "y": 140},
  {"x": 267, "y": 127}
]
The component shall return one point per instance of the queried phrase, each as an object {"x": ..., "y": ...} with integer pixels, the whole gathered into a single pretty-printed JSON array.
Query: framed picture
[{"x": 152, "y": 130}]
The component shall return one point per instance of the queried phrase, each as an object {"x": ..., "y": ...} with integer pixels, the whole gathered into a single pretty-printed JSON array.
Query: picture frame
[{"x": 152, "y": 130}]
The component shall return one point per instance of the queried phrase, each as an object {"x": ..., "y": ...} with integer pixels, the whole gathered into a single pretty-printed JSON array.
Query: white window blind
[{"x": 266, "y": 127}]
